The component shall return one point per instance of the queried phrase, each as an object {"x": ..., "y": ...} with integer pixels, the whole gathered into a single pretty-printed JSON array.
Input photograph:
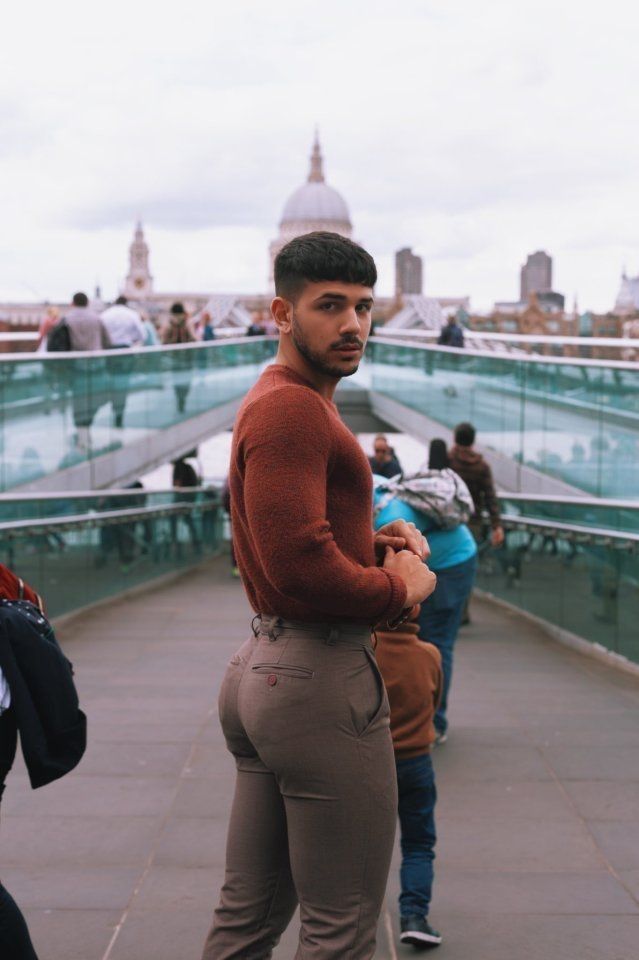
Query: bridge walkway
[{"x": 538, "y": 811}]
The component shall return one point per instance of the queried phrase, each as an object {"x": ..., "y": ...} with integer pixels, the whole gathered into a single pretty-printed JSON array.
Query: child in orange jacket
[{"x": 413, "y": 677}]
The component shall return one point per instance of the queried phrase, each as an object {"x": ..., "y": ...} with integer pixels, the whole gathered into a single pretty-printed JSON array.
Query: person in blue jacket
[{"x": 454, "y": 559}]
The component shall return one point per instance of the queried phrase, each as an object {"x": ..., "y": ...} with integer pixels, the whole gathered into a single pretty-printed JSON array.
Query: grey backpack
[{"x": 440, "y": 494}]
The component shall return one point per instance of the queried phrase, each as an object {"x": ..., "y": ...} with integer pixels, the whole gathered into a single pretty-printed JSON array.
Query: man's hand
[
  {"x": 497, "y": 536},
  {"x": 420, "y": 581},
  {"x": 401, "y": 535}
]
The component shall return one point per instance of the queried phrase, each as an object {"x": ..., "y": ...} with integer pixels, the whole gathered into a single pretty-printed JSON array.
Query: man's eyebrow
[
  {"x": 330, "y": 296},
  {"x": 340, "y": 298}
]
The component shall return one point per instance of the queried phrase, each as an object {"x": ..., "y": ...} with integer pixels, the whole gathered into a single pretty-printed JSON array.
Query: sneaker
[
  {"x": 418, "y": 932},
  {"x": 440, "y": 737}
]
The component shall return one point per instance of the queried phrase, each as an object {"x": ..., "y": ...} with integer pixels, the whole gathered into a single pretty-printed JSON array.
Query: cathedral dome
[
  {"x": 315, "y": 205},
  {"x": 313, "y": 202}
]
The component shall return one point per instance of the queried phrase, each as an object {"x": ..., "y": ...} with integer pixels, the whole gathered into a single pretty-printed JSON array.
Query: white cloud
[{"x": 475, "y": 132}]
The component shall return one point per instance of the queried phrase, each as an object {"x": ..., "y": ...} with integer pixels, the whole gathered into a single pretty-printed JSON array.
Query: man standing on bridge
[{"x": 303, "y": 705}]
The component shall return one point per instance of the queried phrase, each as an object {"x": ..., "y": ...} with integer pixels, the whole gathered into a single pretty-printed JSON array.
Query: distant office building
[
  {"x": 551, "y": 301},
  {"x": 627, "y": 302},
  {"x": 408, "y": 272},
  {"x": 536, "y": 275}
]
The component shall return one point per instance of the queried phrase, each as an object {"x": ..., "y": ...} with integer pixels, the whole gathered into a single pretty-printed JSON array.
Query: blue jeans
[
  {"x": 439, "y": 620},
  {"x": 417, "y": 796}
]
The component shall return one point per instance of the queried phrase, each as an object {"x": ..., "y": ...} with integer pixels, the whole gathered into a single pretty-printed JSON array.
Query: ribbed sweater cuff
[{"x": 397, "y": 602}]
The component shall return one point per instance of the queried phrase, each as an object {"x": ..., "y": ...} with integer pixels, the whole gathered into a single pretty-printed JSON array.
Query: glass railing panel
[
  {"x": 590, "y": 589},
  {"x": 578, "y": 422},
  {"x": 76, "y": 563},
  {"x": 59, "y": 410}
]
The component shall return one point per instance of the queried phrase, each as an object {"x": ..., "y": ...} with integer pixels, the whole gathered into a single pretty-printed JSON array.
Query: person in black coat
[
  {"x": 452, "y": 335},
  {"x": 38, "y": 699}
]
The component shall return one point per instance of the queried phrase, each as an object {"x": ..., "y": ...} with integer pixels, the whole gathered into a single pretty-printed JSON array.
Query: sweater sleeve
[{"x": 286, "y": 443}]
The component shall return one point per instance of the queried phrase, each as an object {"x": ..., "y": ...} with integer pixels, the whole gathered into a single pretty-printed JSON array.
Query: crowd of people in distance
[{"x": 119, "y": 327}]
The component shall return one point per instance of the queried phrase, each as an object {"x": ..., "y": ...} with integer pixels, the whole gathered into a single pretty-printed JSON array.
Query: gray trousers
[{"x": 305, "y": 714}]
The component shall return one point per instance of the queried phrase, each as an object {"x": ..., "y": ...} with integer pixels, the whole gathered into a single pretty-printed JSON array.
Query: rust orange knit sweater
[{"x": 301, "y": 508}]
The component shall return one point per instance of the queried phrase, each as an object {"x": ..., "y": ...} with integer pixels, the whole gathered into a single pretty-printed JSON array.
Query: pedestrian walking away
[
  {"x": 303, "y": 706},
  {"x": 468, "y": 463},
  {"x": 412, "y": 674},
  {"x": 87, "y": 333},
  {"x": 179, "y": 329},
  {"x": 451, "y": 335},
  {"x": 439, "y": 503},
  {"x": 125, "y": 328}
]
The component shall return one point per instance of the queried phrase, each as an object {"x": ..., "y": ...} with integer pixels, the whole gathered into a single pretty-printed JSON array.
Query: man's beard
[{"x": 318, "y": 361}]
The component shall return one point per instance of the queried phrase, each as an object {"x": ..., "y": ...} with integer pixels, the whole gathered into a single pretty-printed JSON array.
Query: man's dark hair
[
  {"x": 320, "y": 256},
  {"x": 121, "y": 301},
  {"x": 438, "y": 455},
  {"x": 80, "y": 300},
  {"x": 177, "y": 309},
  {"x": 464, "y": 434}
]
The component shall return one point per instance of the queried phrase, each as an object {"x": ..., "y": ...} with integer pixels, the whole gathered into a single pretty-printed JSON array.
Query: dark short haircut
[
  {"x": 122, "y": 301},
  {"x": 464, "y": 434},
  {"x": 438, "y": 455},
  {"x": 320, "y": 256},
  {"x": 80, "y": 300},
  {"x": 177, "y": 308}
]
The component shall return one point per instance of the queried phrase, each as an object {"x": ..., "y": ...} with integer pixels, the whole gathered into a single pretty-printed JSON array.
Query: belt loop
[
  {"x": 274, "y": 623},
  {"x": 332, "y": 636}
]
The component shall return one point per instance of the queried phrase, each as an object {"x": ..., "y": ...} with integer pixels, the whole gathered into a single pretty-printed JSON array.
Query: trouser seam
[
  {"x": 272, "y": 901},
  {"x": 364, "y": 863}
]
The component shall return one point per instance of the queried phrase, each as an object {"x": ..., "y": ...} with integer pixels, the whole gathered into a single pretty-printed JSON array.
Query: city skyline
[{"x": 473, "y": 137}]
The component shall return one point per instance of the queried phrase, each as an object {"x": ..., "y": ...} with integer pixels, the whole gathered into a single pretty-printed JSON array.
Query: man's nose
[{"x": 351, "y": 321}]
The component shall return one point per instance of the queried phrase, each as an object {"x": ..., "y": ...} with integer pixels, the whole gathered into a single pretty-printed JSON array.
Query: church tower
[{"x": 139, "y": 282}]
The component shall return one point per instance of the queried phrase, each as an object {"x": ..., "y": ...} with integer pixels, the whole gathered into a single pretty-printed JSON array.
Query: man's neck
[{"x": 325, "y": 385}]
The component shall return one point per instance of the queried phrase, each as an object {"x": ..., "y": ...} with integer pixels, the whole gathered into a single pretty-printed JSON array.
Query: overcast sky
[{"x": 475, "y": 132}]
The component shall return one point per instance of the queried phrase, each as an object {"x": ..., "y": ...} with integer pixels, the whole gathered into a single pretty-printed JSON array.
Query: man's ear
[{"x": 282, "y": 313}]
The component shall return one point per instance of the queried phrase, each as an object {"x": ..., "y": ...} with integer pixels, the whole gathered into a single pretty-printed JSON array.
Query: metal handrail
[
  {"x": 545, "y": 338},
  {"x": 573, "y": 531},
  {"x": 584, "y": 501},
  {"x": 99, "y": 494},
  {"x": 102, "y": 518},
  {"x": 138, "y": 350},
  {"x": 519, "y": 358}
]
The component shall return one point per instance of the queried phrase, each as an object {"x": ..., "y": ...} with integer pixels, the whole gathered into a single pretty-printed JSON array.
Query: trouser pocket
[
  {"x": 365, "y": 694},
  {"x": 283, "y": 670}
]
